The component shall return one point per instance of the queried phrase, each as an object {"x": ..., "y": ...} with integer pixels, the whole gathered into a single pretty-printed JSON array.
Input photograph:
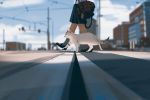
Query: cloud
[
  {"x": 64, "y": 28},
  {"x": 12, "y": 33},
  {"x": 59, "y": 38},
  {"x": 113, "y": 14},
  {"x": 18, "y": 3}
]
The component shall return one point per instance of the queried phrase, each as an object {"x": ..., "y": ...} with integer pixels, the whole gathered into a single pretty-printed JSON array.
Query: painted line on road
[{"x": 101, "y": 85}]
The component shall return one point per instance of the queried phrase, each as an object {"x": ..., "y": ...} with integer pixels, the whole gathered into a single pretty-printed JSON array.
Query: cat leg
[
  {"x": 90, "y": 48},
  {"x": 77, "y": 47},
  {"x": 100, "y": 47}
]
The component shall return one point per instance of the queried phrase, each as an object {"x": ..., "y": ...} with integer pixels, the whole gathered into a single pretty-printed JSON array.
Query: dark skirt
[{"x": 76, "y": 16}]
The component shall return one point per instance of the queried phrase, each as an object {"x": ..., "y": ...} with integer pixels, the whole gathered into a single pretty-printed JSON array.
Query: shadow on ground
[
  {"x": 28, "y": 81},
  {"x": 133, "y": 73}
]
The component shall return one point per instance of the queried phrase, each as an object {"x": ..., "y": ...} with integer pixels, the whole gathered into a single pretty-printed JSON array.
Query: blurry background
[{"x": 25, "y": 21}]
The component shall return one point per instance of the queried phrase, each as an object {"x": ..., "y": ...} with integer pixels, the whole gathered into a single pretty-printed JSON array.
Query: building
[
  {"x": 120, "y": 34},
  {"x": 15, "y": 46},
  {"x": 139, "y": 24}
]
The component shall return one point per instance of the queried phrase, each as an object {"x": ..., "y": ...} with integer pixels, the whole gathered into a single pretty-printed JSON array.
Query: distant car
[
  {"x": 42, "y": 49},
  {"x": 121, "y": 48}
]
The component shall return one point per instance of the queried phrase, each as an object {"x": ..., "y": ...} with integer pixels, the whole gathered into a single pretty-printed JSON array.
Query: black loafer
[
  {"x": 60, "y": 45},
  {"x": 64, "y": 49}
]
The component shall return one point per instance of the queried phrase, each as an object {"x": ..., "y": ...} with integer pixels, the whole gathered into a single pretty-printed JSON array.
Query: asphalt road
[
  {"x": 60, "y": 76},
  {"x": 132, "y": 72},
  {"x": 44, "y": 80}
]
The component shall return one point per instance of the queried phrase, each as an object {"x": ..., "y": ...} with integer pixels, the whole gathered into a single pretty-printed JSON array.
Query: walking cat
[{"x": 84, "y": 38}]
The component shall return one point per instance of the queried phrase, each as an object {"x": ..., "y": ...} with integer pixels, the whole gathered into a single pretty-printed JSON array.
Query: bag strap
[
  {"x": 76, "y": 1},
  {"x": 90, "y": 23}
]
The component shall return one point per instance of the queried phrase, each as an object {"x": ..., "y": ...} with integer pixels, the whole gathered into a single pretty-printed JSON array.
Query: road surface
[{"x": 68, "y": 76}]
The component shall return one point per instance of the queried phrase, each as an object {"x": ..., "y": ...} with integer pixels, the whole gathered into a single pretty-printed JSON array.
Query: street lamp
[
  {"x": 3, "y": 39},
  {"x": 48, "y": 31}
]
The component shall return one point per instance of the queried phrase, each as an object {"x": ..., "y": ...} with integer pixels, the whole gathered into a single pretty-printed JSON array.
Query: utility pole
[
  {"x": 52, "y": 30},
  {"x": 99, "y": 20},
  {"x": 48, "y": 32},
  {"x": 99, "y": 17},
  {"x": 3, "y": 39}
]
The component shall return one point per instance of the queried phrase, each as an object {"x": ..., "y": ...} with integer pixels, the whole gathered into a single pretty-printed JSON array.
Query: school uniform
[{"x": 76, "y": 16}]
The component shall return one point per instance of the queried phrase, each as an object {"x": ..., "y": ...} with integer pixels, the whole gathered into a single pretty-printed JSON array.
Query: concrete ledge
[
  {"x": 102, "y": 86},
  {"x": 45, "y": 81}
]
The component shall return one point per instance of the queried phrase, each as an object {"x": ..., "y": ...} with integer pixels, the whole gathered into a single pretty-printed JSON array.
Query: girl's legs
[
  {"x": 73, "y": 27},
  {"x": 82, "y": 28}
]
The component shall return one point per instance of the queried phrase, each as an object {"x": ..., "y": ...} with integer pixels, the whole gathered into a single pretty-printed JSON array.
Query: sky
[{"x": 32, "y": 14}]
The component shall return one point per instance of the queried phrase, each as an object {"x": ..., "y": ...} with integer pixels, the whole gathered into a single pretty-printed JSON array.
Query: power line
[
  {"x": 44, "y": 9},
  {"x": 39, "y": 10},
  {"x": 25, "y": 6},
  {"x": 27, "y": 9},
  {"x": 59, "y": 2},
  {"x": 22, "y": 20}
]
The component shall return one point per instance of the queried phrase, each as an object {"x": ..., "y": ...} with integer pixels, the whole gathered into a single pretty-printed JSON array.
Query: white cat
[{"x": 84, "y": 38}]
